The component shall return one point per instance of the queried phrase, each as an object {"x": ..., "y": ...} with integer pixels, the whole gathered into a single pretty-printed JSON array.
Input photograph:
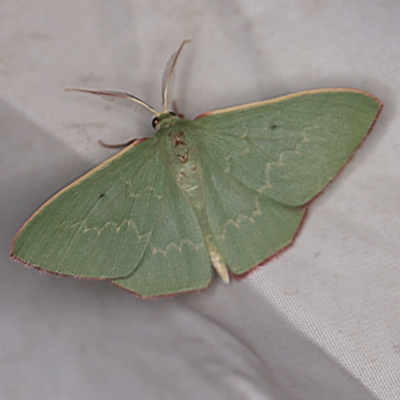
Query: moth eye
[{"x": 154, "y": 122}]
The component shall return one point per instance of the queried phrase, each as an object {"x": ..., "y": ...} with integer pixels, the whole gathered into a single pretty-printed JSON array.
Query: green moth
[{"x": 226, "y": 191}]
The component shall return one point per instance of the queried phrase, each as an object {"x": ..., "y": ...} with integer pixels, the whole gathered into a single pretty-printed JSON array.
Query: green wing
[
  {"x": 261, "y": 162},
  {"x": 99, "y": 226},
  {"x": 176, "y": 258},
  {"x": 248, "y": 227},
  {"x": 289, "y": 148},
  {"x": 122, "y": 216}
]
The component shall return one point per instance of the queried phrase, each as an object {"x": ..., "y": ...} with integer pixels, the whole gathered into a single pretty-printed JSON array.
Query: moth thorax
[{"x": 180, "y": 145}]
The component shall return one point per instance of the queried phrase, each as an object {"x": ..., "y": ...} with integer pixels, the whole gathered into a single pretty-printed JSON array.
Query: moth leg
[
  {"x": 117, "y": 146},
  {"x": 175, "y": 109}
]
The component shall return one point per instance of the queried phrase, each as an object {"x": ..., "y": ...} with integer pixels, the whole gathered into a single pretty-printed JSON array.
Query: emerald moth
[{"x": 224, "y": 192}]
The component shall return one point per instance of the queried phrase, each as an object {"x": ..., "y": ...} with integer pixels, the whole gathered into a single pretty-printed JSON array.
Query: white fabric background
[{"x": 322, "y": 321}]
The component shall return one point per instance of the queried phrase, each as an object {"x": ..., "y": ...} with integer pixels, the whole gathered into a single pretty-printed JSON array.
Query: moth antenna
[
  {"x": 121, "y": 98},
  {"x": 168, "y": 74}
]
